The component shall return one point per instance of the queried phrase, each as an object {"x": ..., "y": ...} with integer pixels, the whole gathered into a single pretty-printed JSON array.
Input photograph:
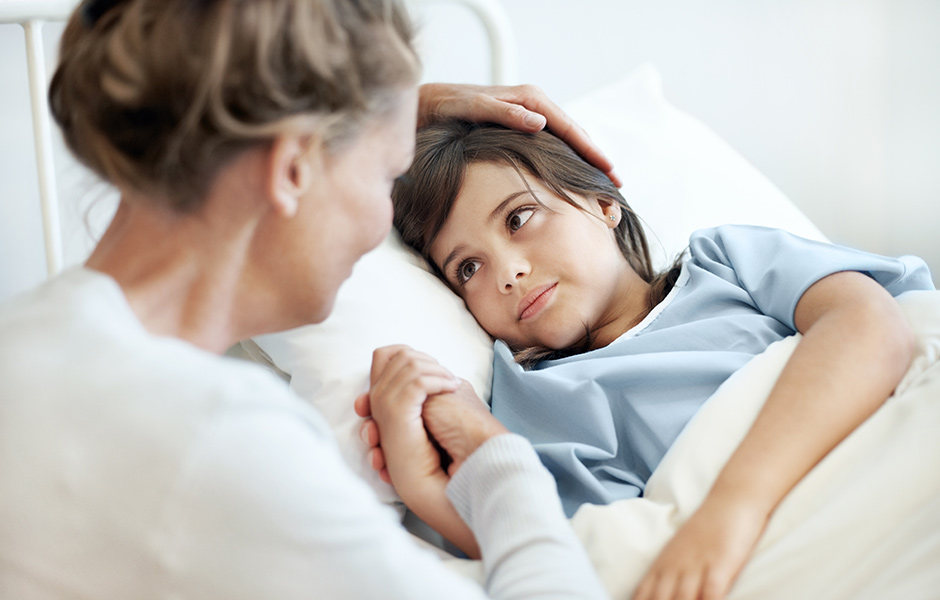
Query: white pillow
[{"x": 679, "y": 176}]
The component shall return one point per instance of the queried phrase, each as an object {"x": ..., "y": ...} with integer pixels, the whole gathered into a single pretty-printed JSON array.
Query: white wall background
[{"x": 836, "y": 101}]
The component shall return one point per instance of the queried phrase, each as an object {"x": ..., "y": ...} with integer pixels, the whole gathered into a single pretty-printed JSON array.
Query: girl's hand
[
  {"x": 522, "y": 107},
  {"x": 460, "y": 423},
  {"x": 703, "y": 559}
]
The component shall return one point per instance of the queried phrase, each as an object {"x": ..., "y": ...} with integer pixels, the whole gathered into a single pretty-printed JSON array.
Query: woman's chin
[{"x": 323, "y": 309}]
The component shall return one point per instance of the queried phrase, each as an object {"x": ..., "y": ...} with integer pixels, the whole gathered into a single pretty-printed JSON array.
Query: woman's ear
[{"x": 289, "y": 173}]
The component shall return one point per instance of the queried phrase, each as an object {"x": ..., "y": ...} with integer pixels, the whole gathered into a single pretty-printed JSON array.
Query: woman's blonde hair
[
  {"x": 424, "y": 197},
  {"x": 157, "y": 95}
]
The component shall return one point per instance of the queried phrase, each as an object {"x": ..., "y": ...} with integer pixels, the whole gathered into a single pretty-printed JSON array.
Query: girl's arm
[{"x": 855, "y": 349}]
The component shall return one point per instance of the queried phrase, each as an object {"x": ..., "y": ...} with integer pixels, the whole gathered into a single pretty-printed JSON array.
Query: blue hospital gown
[{"x": 601, "y": 421}]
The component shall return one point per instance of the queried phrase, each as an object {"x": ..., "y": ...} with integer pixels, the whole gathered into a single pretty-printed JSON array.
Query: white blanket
[{"x": 863, "y": 524}]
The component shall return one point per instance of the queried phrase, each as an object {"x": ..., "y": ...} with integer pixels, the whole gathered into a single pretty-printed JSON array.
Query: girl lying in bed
[{"x": 601, "y": 361}]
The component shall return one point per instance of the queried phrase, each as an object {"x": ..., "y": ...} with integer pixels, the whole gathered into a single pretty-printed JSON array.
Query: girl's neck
[{"x": 630, "y": 307}]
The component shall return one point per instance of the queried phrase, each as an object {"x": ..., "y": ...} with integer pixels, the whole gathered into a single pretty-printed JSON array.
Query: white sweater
[{"x": 133, "y": 466}]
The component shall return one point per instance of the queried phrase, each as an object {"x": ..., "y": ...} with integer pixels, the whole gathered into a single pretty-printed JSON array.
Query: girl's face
[{"x": 537, "y": 271}]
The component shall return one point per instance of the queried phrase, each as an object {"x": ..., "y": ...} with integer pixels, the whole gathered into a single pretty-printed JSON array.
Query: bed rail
[{"x": 31, "y": 14}]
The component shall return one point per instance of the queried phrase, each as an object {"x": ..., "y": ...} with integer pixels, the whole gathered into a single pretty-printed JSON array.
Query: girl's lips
[{"x": 535, "y": 301}]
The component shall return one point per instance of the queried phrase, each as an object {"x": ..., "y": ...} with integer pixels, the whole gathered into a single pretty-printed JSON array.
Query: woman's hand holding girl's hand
[
  {"x": 410, "y": 396},
  {"x": 522, "y": 107},
  {"x": 401, "y": 381},
  {"x": 458, "y": 421},
  {"x": 703, "y": 559}
]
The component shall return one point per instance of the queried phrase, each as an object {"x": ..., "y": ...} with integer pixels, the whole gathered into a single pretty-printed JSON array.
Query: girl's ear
[
  {"x": 610, "y": 210},
  {"x": 289, "y": 173}
]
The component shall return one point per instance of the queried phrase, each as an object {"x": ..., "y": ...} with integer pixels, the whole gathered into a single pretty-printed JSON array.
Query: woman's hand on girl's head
[{"x": 522, "y": 107}]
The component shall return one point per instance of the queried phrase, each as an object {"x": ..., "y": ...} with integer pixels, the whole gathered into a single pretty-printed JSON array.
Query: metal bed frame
[{"x": 32, "y": 14}]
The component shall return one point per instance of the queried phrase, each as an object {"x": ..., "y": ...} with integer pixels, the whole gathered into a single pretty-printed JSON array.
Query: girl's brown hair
[
  {"x": 157, "y": 95},
  {"x": 424, "y": 197}
]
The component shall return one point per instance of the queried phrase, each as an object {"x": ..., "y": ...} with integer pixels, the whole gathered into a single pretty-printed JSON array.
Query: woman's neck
[
  {"x": 168, "y": 282},
  {"x": 184, "y": 275}
]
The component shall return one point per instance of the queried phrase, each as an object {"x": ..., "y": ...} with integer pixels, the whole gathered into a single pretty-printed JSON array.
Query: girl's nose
[{"x": 511, "y": 273}]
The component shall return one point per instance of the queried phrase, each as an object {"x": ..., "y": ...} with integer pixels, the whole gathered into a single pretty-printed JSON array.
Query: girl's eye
[
  {"x": 518, "y": 218},
  {"x": 466, "y": 269}
]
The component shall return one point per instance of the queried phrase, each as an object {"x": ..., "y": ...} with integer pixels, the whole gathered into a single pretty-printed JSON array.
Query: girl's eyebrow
[
  {"x": 499, "y": 208},
  {"x": 496, "y": 212}
]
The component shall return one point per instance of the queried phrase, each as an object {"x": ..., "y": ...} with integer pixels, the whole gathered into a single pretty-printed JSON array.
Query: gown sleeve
[{"x": 776, "y": 267}]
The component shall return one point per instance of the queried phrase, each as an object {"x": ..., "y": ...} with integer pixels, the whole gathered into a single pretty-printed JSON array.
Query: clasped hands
[
  {"x": 413, "y": 408},
  {"x": 414, "y": 411}
]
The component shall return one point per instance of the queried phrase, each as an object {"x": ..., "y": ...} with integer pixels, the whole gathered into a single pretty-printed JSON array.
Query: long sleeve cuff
[{"x": 510, "y": 502}]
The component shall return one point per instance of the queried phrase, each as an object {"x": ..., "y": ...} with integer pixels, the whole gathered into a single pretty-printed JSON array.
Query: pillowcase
[{"x": 679, "y": 176}]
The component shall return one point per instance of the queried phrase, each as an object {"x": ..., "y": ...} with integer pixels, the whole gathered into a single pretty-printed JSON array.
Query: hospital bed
[{"x": 864, "y": 524}]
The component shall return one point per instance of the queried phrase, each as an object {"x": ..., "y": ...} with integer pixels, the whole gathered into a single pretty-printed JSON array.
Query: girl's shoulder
[{"x": 751, "y": 246}]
